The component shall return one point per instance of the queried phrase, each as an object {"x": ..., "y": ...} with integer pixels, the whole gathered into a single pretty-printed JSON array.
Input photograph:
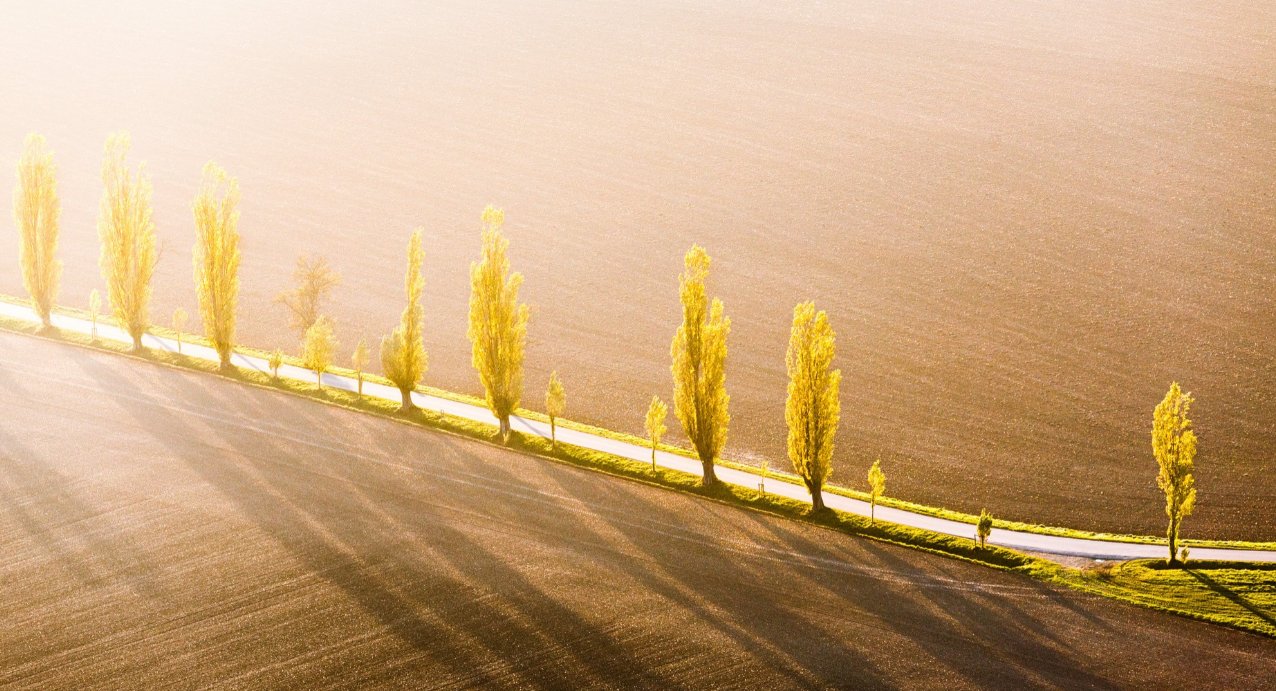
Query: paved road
[
  {"x": 161, "y": 528},
  {"x": 1045, "y": 544}
]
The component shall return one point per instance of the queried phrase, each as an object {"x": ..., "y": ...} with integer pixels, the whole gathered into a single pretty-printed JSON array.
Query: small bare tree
[
  {"x": 314, "y": 280},
  {"x": 179, "y": 324}
]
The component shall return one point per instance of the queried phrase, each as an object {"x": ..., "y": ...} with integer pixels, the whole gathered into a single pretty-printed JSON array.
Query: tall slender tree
[
  {"x": 95, "y": 309},
  {"x": 37, "y": 210},
  {"x": 403, "y": 356},
  {"x": 498, "y": 322},
  {"x": 813, "y": 408},
  {"x": 699, "y": 353},
  {"x": 216, "y": 254},
  {"x": 555, "y": 405},
  {"x": 179, "y": 326},
  {"x": 128, "y": 239},
  {"x": 1174, "y": 445}
]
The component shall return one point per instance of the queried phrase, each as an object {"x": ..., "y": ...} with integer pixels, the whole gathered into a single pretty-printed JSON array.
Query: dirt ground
[
  {"x": 1024, "y": 218},
  {"x": 163, "y": 528}
]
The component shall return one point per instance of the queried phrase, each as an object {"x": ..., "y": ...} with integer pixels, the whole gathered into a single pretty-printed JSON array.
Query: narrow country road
[
  {"x": 161, "y": 528},
  {"x": 1033, "y": 542}
]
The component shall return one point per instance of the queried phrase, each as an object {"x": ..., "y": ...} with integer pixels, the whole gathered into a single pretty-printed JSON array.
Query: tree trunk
[
  {"x": 553, "y": 433},
  {"x": 505, "y": 429},
  {"x": 405, "y": 394},
  {"x": 361, "y": 385},
  {"x": 872, "y": 511},
  {"x": 319, "y": 379},
  {"x": 1172, "y": 533},
  {"x": 817, "y": 499},
  {"x": 653, "y": 457},
  {"x": 137, "y": 343},
  {"x": 709, "y": 479}
]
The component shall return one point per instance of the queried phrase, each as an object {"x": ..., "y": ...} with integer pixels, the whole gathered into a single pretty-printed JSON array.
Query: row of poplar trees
[{"x": 497, "y": 325}]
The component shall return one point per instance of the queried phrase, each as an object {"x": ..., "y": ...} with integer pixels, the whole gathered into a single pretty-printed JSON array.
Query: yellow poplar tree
[
  {"x": 813, "y": 408},
  {"x": 403, "y": 357},
  {"x": 555, "y": 405},
  {"x": 36, "y": 211},
  {"x": 1174, "y": 445},
  {"x": 498, "y": 322},
  {"x": 318, "y": 347},
  {"x": 699, "y": 353},
  {"x": 983, "y": 528},
  {"x": 216, "y": 253},
  {"x": 657, "y": 412},
  {"x": 128, "y": 239},
  {"x": 876, "y": 488},
  {"x": 359, "y": 360}
]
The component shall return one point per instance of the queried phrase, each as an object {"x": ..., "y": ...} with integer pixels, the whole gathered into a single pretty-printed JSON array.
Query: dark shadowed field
[
  {"x": 1024, "y": 218},
  {"x": 162, "y": 528}
]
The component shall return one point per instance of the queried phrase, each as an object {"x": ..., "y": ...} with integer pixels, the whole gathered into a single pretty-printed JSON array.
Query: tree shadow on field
[
  {"x": 47, "y": 520},
  {"x": 344, "y": 515},
  {"x": 280, "y": 509},
  {"x": 1231, "y": 595},
  {"x": 755, "y": 615},
  {"x": 993, "y": 645}
]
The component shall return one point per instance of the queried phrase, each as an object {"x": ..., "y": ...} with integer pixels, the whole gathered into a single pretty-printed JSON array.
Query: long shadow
[
  {"x": 754, "y": 616},
  {"x": 536, "y": 616},
  {"x": 1007, "y": 644},
  {"x": 1231, "y": 595},
  {"x": 277, "y": 511}
]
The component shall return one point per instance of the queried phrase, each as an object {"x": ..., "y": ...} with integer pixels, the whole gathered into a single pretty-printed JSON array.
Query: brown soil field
[
  {"x": 163, "y": 528},
  {"x": 1024, "y": 218}
]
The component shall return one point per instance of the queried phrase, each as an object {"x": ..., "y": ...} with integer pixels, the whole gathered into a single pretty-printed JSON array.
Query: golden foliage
[
  {"x": 403, "y": 356},
  {"x": 276, "y": 360},
  {"x": 1174, "y": 446},
  {"x": 813, "y": 408},
  {"x": 314, "y": 279},
  {"x": 216, "y": 257},
  {"x": 359, "y": 361},
  {"x": 657, "y": 412},
  {"x": 179, "y": 325},
  {"x": 555, "y": 404},
  {"x": 318, "y": 347},
  {"x": 984, "y": 527},
  {"x": 36, "y": 211},
  {"x": 699, "y": 352},
  {"x": 876, "y": 487},
  {"x": 498, "y": 322},
  {"x": 128, "y": 239}
]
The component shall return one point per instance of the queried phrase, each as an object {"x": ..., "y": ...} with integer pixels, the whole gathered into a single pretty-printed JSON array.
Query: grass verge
[{"x": 1238, "y": 595}]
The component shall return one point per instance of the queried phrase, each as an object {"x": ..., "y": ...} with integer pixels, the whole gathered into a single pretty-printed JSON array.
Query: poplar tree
[
  {"x": 216, "y": 257},
  {"x": 403, "y": 357},
  {"x": 498, "y": 322},
  {"x": 318, "y": 348},
  {"x": 359, "y": 360},
  {"x": 813, "y": 407},
  {"x": 36, "y": 210},
  {"x": 699, "y": 353},
  {"x": 876, "y": 488},
  {"x": 555, "y": 406},
  {"x": 128, "y": 239},
  {"x": 657, "y": 412},
  {"x": 1174, "y": 445}
]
